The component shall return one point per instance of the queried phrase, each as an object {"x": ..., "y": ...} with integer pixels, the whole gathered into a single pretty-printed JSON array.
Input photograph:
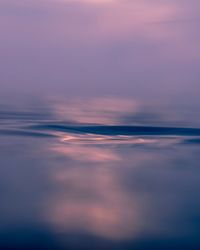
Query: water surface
[
  {"x": 69, "y": 183},
  {"x": 99, "y": 124}
]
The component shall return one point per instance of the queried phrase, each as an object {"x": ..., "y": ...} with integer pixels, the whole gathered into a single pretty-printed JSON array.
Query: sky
[{"x": 141, "y": 49}]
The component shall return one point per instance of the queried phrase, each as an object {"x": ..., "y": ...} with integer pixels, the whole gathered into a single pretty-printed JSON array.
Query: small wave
[
  {"x": 119, "y": 130},
  {"x": 38, "y": 126}
]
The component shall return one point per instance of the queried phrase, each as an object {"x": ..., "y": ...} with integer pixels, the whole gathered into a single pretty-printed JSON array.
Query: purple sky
[{"x": 137, "y": 48}]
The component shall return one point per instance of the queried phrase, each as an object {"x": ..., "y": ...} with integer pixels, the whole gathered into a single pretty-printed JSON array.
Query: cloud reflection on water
[
  {"x": 127, "y": 197},
  {"x": 104, "y": 110},
  {"x": 93, "y": 201}
]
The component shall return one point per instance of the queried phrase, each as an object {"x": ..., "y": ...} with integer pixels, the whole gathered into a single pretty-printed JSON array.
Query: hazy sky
[{"x": 136, "y": 48}]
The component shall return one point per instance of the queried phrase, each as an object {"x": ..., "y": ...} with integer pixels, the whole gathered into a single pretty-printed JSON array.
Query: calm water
[
  {"x": 99, "y": 124},
  {"x": 80, "y": 175}
]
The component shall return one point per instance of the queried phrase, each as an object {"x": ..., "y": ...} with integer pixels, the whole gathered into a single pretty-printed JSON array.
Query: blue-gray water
[{"x": 80, "y": 176}]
